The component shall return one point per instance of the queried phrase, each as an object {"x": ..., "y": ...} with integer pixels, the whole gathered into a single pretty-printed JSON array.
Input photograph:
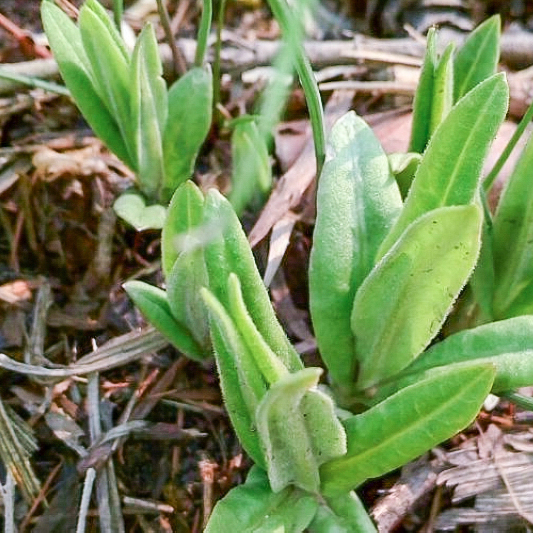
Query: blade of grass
[
  {"x": 35, "y": 82},
  {"x": 203, "y": 32},
  {"x": 292, "y": 32},
  {"x": 109, "y": 511},
  {"x": 488, "y": 182},
  {"x": 85, "y": 499},
  {"x": 118, "y": 10}
]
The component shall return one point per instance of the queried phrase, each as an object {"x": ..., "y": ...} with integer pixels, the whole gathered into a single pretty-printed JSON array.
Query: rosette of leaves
[
  {"x": 386, "y": 271},
  {"x": 157, "y": 132}
]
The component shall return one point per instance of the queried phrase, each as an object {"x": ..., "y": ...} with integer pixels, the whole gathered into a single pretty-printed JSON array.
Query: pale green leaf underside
[
  {"x": 187, "y": 277},
  {"x": 181, "y": 229},
  {"x": 228, "y": 251},
  {"x": 240, "y": 378},
  {"x": 132, "y": 208}
]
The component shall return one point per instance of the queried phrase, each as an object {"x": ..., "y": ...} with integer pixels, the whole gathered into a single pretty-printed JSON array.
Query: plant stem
[
  {"x": 218, "y": 49},
  {"x": 203, "y": 32},
  {"x": 518, "y": 399},
  {"x": 118, "y": 10},
  {"x": 292, "y": 33},
  {"x": 522, "y": 125}
]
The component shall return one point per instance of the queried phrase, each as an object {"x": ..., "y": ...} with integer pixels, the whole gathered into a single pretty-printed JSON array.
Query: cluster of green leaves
[
  {"x": 397, "y": 239},
  {"x": 386, "y": 270},
  {"x": 157, "y": 132}
]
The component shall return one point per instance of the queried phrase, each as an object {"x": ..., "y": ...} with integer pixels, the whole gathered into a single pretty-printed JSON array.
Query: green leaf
[
  {"x": 342, "y": 514},
  {"x": 190, "y": 100},
  {"x": 407, "y": 424},
  {"x": 65, "y": 41},
  {"x": 267, "y": 361},
  {"x": 451, "y": 166},
  {"x": 110, "y": 67},
  {"x": 298, "y": 430},
  {"x": 228, "y": 251},
  {"x": 507, "y": 344},
  {"x": 405, "y": 299},
  {"x": 477, "y": 59},
  {"x": 422, "y": 104},
  {"x": 357, "y": 203},
  {"x": 442, "y": 97},
  {"x": 183, "y": 226},
  {"x": 131, "y": 207},
  {"x": 183, "y": 260},
  {"x": 109, "y": 27},
  {"x": 252, "y": 173},
  {"x": 187, "y": 277},
  {"x": 513, "y": 242},
  {"x": 153, "y": 304},
  {"x": 148, "y": 101},
  {"x": 241, "y": 381},
  {"x": 254, "y": 508}
]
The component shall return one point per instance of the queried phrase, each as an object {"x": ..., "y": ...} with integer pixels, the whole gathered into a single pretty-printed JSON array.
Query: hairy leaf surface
[
  {"x": 253, "y": 507},
  {"x": 299, "y": 431},
  {"x": 407, "y": 424},
  {"x": 227, "y": 251},
  {"x": 358, "y": 200},
  {"x": 153, "y": 303},
  {"x": 513, "y": 242},
  {"x": 507, "y": 344},
  {"x": 404, "y": 300},
  {"x": 451, "y": 166},
  {"x": 478, "y": 57}
]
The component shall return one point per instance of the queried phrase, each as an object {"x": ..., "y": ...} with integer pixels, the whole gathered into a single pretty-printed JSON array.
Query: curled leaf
[
  {"x": 228, "y": 251},
  {"x": 299, "y": 431}
]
